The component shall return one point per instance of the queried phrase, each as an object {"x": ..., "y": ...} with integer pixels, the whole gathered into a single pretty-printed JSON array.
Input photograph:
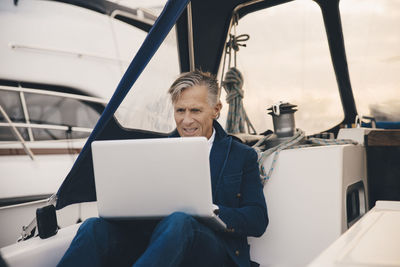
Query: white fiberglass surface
[
  {"x": 372, "y": 39},
  {"x": 56, "y": 43},
  {"x": 288, "y": 60}
]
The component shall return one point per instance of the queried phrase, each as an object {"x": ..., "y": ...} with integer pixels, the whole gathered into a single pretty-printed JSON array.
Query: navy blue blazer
[{"x": 238, "y": 193}]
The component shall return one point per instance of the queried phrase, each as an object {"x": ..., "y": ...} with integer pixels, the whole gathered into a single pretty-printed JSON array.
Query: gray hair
[{"x": 196, "y": 78}]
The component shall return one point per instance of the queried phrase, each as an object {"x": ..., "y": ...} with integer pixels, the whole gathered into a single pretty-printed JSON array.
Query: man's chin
[{"x": 190, "y": 134}]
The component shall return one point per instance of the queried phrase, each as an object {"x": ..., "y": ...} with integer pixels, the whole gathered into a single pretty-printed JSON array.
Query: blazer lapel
[{"x": 219, "y": 156}]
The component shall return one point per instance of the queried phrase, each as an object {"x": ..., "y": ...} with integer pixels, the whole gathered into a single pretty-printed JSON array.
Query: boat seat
[{"x": 36, "y": 252}]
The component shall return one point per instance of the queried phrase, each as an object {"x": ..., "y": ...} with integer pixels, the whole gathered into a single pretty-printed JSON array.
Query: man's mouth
[{"x": 190, "y": 131}]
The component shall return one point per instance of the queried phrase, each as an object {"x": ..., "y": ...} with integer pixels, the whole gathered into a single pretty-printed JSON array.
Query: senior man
[{"x": 179, "y": 239}]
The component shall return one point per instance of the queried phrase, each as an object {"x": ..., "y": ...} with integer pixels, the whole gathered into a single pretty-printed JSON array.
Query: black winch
[{"x": 284, "y": 124}]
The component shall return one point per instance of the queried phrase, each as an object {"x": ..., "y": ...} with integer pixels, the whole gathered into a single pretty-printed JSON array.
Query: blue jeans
[{"x": 177, "y": 240}]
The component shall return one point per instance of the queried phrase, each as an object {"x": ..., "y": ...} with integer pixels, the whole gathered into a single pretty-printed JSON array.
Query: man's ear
[{"x": 217, "y": 109}]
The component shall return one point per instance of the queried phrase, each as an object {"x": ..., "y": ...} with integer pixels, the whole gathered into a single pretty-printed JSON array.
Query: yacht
[
  {"x": 60, "y": 63},
  {"x": 336, "y": 60}
]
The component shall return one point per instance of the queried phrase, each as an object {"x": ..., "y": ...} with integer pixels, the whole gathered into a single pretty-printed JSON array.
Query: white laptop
[{"x": 151, "y": 178}]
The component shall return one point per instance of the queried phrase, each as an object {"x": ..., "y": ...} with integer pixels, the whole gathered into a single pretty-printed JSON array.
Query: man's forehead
[
  {"x": 194, "y": 92},
  {"x": 193, "y": 104}
]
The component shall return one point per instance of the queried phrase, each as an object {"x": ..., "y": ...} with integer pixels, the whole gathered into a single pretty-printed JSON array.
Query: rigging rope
[
  {"x": 290, "y": 144},
  {"x": 233, "y": 84},
  {"x": 263, "y": 155},
  {"x": 237, "y": 116}
]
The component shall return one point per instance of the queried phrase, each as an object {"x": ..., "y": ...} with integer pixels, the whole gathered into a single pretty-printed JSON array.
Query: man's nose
[{"x": 187, "y": 119}]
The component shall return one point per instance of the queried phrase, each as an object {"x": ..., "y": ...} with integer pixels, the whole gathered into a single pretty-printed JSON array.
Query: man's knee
[
  {"x": 94, "y": 225},
  {"x": 179, "y": 222},
  {"x": 177, "y": 227},
  {"x": 180, "y": 218},
  {"x": 93, "y": 222}
]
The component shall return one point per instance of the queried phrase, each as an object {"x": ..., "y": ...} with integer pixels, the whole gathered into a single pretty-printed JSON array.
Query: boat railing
[
  {"x": 27, "y": 150},
  {"x": 47, "y": 126},
  {"x": 29, "y": 125},
  {"x": 54, "y": 93}
]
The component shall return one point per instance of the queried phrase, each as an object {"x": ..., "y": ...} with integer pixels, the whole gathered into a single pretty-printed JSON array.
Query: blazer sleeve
[{"x": 251, "y": 217}]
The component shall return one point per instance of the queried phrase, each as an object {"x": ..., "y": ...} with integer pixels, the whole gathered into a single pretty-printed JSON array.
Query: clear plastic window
[
  {"x": 288, "y": 60},
  {"x": 148, "y": 105},
  {"x": 56, "y": 110},
  {"x": 51, "y": 134},
  {"x": 7, "y": 134},
  {"x": 372, "y": 39},
  {"x": 60, "y": 111},
  {"x": 11, "y": 103}
]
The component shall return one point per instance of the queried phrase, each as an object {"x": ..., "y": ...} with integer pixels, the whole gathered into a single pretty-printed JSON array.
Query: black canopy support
[{"x": 333, "y": 26}]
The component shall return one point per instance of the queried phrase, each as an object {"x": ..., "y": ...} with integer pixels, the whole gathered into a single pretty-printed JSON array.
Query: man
[{"x": 180, "y": 240}]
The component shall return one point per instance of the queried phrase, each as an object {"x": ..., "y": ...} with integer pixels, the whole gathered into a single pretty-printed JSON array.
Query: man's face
[{"x": 193, "y": 114}]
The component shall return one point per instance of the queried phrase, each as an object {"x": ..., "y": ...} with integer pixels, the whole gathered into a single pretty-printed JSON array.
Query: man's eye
[
  {"x": 196, "y": 110},
  {"x": 180, "y": 110}
]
